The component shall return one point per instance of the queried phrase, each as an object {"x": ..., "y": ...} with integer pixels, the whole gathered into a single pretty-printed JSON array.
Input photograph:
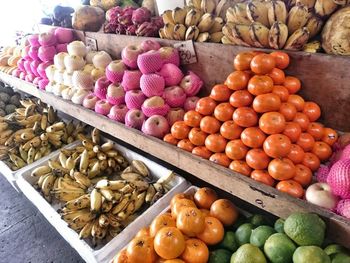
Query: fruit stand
[{"x": 324, "y": 81}]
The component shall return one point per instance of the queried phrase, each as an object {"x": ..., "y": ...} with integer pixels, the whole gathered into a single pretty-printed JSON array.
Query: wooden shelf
[{"x": 260, "y": 195}]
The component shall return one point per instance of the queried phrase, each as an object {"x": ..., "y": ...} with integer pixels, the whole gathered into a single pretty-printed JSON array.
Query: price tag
[
  {"x": 91, "y": 43},
  {"x": 187, "y": 52}
]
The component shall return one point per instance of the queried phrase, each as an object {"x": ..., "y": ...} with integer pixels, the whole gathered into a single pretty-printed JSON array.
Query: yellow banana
[
  {"x": 206, "y": 22},
  {"x": 257, "y": 11},
  {"x": 217, "y": 26},
  {"x": 168, "y": 17},
  {"x": 298, "y": 39},
  {"x": 179, "y": 15},
  {"x": 277, "y": 12},
  {"x": 278, "y": 35},
  {"x": 237, "y": 14},
  {"x": 95, "y": 201},
  {"x": 179, "y": 32},
  {"x": 259, "y": 34},
  {"x": 297, "y": 18},
  {"x": 314, "y": 25},
  {"x": 192, "y": 33},
  {"x": 324, "y": 8},
  {"x": 192, "y": 17},
  {"x": 242, "y": 32}
]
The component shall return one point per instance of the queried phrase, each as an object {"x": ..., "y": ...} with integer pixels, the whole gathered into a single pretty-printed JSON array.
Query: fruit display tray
[{"x": 105, "y": 253}]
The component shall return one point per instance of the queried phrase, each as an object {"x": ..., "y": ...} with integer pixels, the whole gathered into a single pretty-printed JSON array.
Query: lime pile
[{"x": 298, "y": 239}]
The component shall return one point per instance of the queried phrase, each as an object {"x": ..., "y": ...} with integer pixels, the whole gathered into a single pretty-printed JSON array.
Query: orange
[
  {"x": 215, "y": 143},
  {"x": 260, "y": 84},
  {"x": 220, "y": 159},
  {"x": 241, "y": 167},
  {"x": 213, "y": 232},
  {"x": 303, "y": 175},
  {"x": 190, "y": 221},
  {"x": 291, "y": 187},
  {"x": 281, "y": 169},
  {"x": 205, "y": 106},
  {"x": 237, "y": 80},
  {"x": 163, "y": 220},
  {"x": 281, "y": 59},
  {"x": 296, "y": 154},
  {"x": 330, "y": 136},
  {"x": 312, "y": 110},
  {"x": 277, "y": 145},
  {"x": 241, "y": 98},
  {"x": 225, "y": 211},
  {"x": 322, "y": 150},
  {"x": 220, "y": 93},
  {"x": 230, "y": 130},
  {"x": 311, "y": 160},
  {"x": 196, "y": 251},
  {"x": 170, "y": 139},
  {"x": 262, "y": 64},
  {"x": 297, "y": 101},
  {"x": 242, "y": 60},
  {"x": 316, "y": 130},
  {"x": 192, "y": 118},
  {"x": 197, "y": 136},
  {"x": 236, "y": 150},
  {"x": 306, "y": 141},
  {"x": 209, "y": 124},
  {"x": 205, "y": 197},
  {"x": 202, "y": 151},
  {"x": 302, "y": 120},
  {"x": 180, "y": 130},
  {"x": 292, "y": 84},
  {"x": 266, "y": 102},
  {"x": 185, "y": 144},
  {"x": 257, "y": 159},
  {"x": 169, "y": 243},
  {"x": 292, "y": 131},
  {"x": 272, "y": 122},
  {"x": 288, "y": 110},
  {"x": 245, "y": 117},
  {"x": 262, "y": 176},
  {"x": 281, "y": 91},
  {"x": 224, "y": 111},
  {"x": 253, "y": 137},
  {"x": 277, "y": 76}
]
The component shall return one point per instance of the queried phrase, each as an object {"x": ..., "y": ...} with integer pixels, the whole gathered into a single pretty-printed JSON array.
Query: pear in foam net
[
  {"x": 58, "y": 60},
  {"x": 72, "y": 63},
  {"x": 82, "y": 80},
  {"x": 101, "y": 59},
  {"x": 77, "y": 48}
]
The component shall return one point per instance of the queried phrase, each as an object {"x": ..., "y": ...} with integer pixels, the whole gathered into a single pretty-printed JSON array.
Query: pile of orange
[
  {"x": 258, "y": 126},
  {"x": 184, "y": 233}
]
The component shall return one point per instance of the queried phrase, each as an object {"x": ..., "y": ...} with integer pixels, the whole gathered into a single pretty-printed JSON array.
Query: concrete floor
[{"x": 25, "y": 235}]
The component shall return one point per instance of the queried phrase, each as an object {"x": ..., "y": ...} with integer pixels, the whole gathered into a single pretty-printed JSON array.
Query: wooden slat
[{"x": 238, "y": 185}]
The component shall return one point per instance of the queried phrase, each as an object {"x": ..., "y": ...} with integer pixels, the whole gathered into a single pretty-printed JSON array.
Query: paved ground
[{"x": 25, "y": 235}]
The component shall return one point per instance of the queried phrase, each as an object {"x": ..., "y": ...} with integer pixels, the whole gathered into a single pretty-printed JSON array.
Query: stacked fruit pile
[
  {"x": 39, "y": 54},
  {"x": 9, "y": 100},
  {"x": 32, "y": 132},
  {"x": 257, "y": 125},
  {"x": 146, "y": 83},
  {"x": 9, "y": 57},
  {"x": 95, "y": 202},
  {"x": 274, "y": 24},
  {"x": 190, "y": 23},
  {"x": 132, "y": 21},
  {"x": 201, "y": 228}
]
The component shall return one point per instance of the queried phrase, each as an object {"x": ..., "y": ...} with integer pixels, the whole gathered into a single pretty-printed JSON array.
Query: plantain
[
  {"x": 217, "y": 26},
  {"x": 227, "y": 31},
  {"x": 192, "y": 33},
  {"x": 238, "y": 14},
  {"x": 297, "y": 18},
  {"x": 309, "y": 3},
  {"x": 206, "y": 22},
  {"x": 168, "y": 17},
  {"x": 194, "y": 3},
  {"x": 179, "y": 15},
  {"x": 298, "y": 39},
  {"x": 278, "y": 35},
  {"x": 192, "y": 17},
  {"x": 225, "y": 40},
  {"x": 314, "y": 25},
  {"x": 324, "y": 8},
  {"x": 257, "y": 11},
  {"x": 216, "y": 37},
  {"x": 259, "y": 34},
  {"x": 277, "y": 11},
  {"x": 242, "y": 32},
  {"x": 208, "y": 6}
]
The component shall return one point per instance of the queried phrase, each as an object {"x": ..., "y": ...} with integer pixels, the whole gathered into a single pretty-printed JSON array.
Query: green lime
[
  {"x": 340, "y": 258},
  {"x": 310, "y": 254},
  {"x": 249, "y": 254},
  {"x": 279, "y": 225},
  {"x": 259, "y": 220},
  {"x": 220, "y": 256},
  {"x": 260, "y": 235},
  {"x": 305, "y": 229},
  {"x": 279, "y": 248},
  {"x": 333, "y": 249},
  {"x": 229, "y": 242},
  {"x": 243, "y": 233}
]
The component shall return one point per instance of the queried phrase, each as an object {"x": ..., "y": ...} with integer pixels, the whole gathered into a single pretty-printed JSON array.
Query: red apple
[
  {"x": 64, "y": 35},
  {"x": 174, "y": 115},
  {"x": 90, "y": 101},
  {"x": 156, "y": 126},
  {"x": 321, "y": 194},
  {"x": 47, "y": 39},
  {"x": 190, "y": 103},
  {"x": 148, "y": 45},
  {"x": 118, "y": 113},
  {"x": 47, "y": 53},
  {"x": 130, "y": 54},
  {"x": 175, "y": 96},
  {"x": 134, "y": 118}
]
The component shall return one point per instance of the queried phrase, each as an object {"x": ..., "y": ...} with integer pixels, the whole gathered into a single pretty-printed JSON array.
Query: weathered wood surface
[{"x": 245, "y": 188}]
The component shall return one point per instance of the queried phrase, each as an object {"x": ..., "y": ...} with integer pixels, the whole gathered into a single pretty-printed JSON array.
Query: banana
[
  {"x": 259, "y": 34},
  {"x": 140, "y": 200},
  {"x": 208, "y": 6},
  {"x": 298, "y": 39},
  {"x": 168, "y": 17},
  {"x": 67, "y": 195},
  {"x": 97, "y": 231},
  {"x": 63, "y": 159},
  {"x": 87, "y": 144},
  {"x": 205, "y": 23},
  {"x": 107, "y": 146},
  {"x": 127, "y": 189},
  {"x": 140, "y": 167},
  {"x": 37, "y": 156},
  {"x": 140, "y": 185},
  {"x": 194, "y": 3},
  {"x": 297, "y": 18},
  {"x": 227, "y": 31},
  {"x": 79, "y": 203},
  {"x": 151, "y": 191},
  {"x": 130, "y": 177},
  {"x": 54, "y": 165},
  {"x": 314, "y": 25},
  {"x": 192, "y": 33},
  {"x": 70, "y": 128},
  {"x": 169, "y": 30},
  {"x": 100, "y": 156},
  {"x": 85, "y": 232},
  {"x": 121, "y": 205},
  {"x": 70, "y": 163},
  {"x": 179, "y": 32},
  {"x": 257, "y": 11},
  {"x": 166, "y": 179},
  {"x": 222, "y": 7},
  {"x": 179, "y": 15},
  {"x": 94, "y": 171},
  {"x": 312, "y": 47},
  {"x": 47, "y": 184},
  {"x": 162, "y": 33},
  {"x": 69, "y": 215},
  {"x": 277, "y": 12},
  {"x": 216, "y": 37},
  {"x": 309, "y": 3},
  {"x": 23, "y": 153},
  {"x": 44, "y": 136},
  {"x": 29, "y": 110},
  {"x": 31, "y": 155},
  {"x": 192, "y": 17},
  {"x": 41, "y": 180},
  {"x": 242, "y": 32},
  {"x": 58, "y": 126},
  {"x": 82, "y": 179},
  {"x": 95, "y": 201},
  {"x": 103, "y": 221},
  {"x": 108, "y": 194},
  {"x": 84, "y": 161},
  {"x": 278, "y": 35},
  {"x": 95, "y": 136},
  {"x": 324, "y": 8},
  {"x": 203, "y": 37},
  {"x": 159, "y": 187},
  {"x": 217, "y": 26},
  {"x": 237, "y": 14},
  {"x": 83, "y": 218},
  {"x": 51, "y": 115},
  {"x": 106, "y": 207},
  {"x": 41, "y": 170},
  {"x": 26, "y": 136},
  {"x": 112, "y": 153}
]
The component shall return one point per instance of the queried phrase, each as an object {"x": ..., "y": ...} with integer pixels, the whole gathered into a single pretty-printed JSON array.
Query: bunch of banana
[
  {"x": 190, "y": 23},
  {"x": 9, "y": 57},
  {"x": 32, "y": 132},
  {"x": 273, "y": 24}
]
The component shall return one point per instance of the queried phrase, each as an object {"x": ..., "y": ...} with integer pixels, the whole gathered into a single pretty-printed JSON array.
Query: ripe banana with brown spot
[
  {"x": 278, "y": 35},
  {"x": 297, "y": 18},
  {"x": 203, "y": 37},
  {"x": 208, "y": 6},
  {"x": 192, "y": 33},
  {"x": 225, "y": 40},
  {"x": 238, "y": 14},
  {"x": 324, "y": 8},
  {"x": 192, "y": 17},
  {"x": 206, "y": 22},
  {"x": 168, "y": 17},
  {"x": 298, "y": 39},
  {"x": 95, "y": 201},
  {"x": 179, "y": 15},
  {"x": 314, "y": 25},
  {"x": 257, "y": 11},
  {"x": 259, "y": 34},
  {"x": 242, "y": 32},
  {"x": 277, "y": 12},
  {"x": 179, "y": 32},
  {"x": 309, "y": 3},
  {"x": 217, "y": 26},
  {"x": 216, "y": 37},
  {"x": 312, "y": 47}
]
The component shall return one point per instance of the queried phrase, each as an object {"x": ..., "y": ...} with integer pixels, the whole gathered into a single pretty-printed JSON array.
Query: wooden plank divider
[{"x": 243, "y": 187}]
